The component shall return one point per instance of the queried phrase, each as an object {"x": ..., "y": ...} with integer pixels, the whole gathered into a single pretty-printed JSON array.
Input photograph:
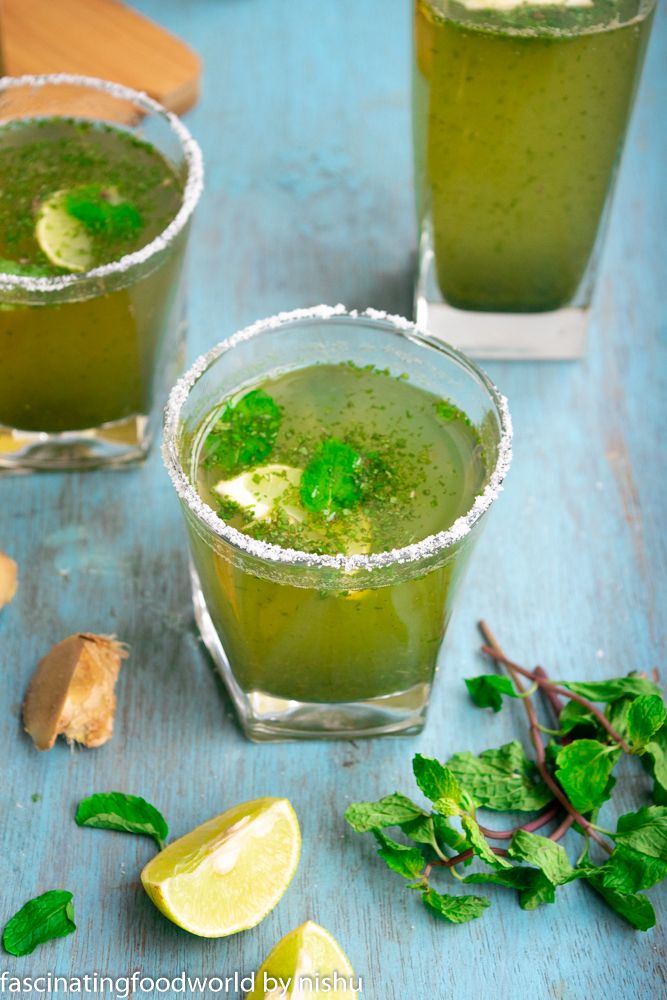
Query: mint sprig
[
  {"x": 568, "y": 780},
  {"x": 244, "y": 434},
  {"x": 126, "y": 813},
  {"x": 42, "y": 919}
]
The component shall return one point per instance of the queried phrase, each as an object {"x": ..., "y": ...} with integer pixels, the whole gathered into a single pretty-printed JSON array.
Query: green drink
[
  {"x": 520, "y": 114},
  {"x": 90, "y": 289},
  {"x": 327, "y": 505}
]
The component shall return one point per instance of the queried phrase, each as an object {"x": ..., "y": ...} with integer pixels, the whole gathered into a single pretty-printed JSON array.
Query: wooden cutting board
[{"x": 102, "y": 38}]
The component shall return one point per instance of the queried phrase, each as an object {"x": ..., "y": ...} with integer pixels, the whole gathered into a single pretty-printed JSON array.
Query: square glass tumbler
[
  {"x": 520, "y": 111},
  {"x": 327, "y": 646},
  {"x": 84, "y": 352}
]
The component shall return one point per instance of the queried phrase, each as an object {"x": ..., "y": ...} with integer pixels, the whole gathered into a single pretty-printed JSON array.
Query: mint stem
[
  {"x": 548, "y": 685},
  {"x": 493, "y": 649},
  {"x": 535, "y": 824}
]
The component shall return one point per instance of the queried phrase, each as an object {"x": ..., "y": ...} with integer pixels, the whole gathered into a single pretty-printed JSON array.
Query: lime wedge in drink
[
  {"x": 227, "y": 874},
  {"x": 270, "y": 489},
  {"x": 64, "y": 239},
  {"x": 308, "y": 964},
  {"x": 265, "y": 488}
]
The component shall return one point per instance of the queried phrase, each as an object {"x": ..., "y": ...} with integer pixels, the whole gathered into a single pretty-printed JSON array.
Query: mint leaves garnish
[
  {"x": 44, "y": 918},
  {"x": 127, "y": 813},
  {"x": 568, "y": 780},
  {"x": 244, "y": 434},
  {"x": 102, "y": 212},
  {"x": 332, "y": 479}
]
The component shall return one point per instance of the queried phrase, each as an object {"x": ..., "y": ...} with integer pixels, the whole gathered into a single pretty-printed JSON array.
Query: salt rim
[
  {"x": 272, "y": 553},
  {"x": 193, "y": 186}
]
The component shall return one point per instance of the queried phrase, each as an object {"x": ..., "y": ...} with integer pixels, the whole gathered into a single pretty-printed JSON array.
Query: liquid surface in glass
[{"x": 337, "y": 458}]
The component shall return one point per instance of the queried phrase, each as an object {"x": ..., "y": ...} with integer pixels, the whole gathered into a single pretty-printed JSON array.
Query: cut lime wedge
[
  {"x": 64, "y": 239},
  {"x": 308, "y": 964},
  {"x": 264, "y": 489},
  {"x": 227, "y": 874}
]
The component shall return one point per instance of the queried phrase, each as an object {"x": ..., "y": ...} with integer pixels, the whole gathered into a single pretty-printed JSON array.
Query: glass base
[
  {"x": 558, "y": 335},
  {"x": 267, "y": 718},
  {"x": 113, "y": 444}
]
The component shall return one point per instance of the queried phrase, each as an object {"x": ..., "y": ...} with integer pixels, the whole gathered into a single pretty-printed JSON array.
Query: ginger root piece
[
  {"x": 8, "y": 579},
  {"x": 72, "y": 691}
]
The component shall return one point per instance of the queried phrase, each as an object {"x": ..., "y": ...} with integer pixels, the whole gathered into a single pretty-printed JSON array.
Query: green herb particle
[
  {"x": 101, "y": 213},
  {"x": 44, "y": 918},
  {"x": 126, "y": 813}
]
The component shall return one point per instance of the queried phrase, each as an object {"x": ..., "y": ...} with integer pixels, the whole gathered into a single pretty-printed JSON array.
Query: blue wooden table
[{"x": 304, "y": 122}]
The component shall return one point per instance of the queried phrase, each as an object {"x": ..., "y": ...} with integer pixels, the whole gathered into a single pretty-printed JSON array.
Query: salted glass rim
[
  {"x": 193, "y": 186},
  {"x": 427, "y": 547}
]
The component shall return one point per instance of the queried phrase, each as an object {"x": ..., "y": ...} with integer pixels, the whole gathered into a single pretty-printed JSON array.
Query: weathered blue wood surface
[{"x": 304, "y": 121}]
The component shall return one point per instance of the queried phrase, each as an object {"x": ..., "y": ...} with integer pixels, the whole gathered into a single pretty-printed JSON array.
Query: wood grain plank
[{"x": 103, "y": 38}]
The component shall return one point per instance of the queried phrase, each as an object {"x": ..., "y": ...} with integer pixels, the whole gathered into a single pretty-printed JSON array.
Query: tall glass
[
  {"x": 323, "y": 645},
  {"x": 520, "y": 112},
  {"x": 83, "y": 354}
]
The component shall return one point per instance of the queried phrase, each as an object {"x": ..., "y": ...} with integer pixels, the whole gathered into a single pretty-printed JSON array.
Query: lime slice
[
  {"x": 307, "y": 964},
  {"x": 263, "y": 489},
  {"x": 227, "y": 874},
  {"x": 64, "y": 239}
]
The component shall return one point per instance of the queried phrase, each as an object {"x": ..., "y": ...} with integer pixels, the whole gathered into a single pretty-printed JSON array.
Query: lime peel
[
  {"x": 62, "y": 238},
  {"x": 304, "y": 964}
]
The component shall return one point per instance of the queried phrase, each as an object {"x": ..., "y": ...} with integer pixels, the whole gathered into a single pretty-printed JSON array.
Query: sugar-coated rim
[
  {"x": 269, "y": 552},
  {"x": 193, "y": 186}
]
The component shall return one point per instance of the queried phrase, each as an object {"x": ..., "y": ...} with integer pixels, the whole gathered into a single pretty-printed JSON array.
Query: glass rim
[
  {"x": 193, "y": 185},
  {"x": 429, "y": 546}
]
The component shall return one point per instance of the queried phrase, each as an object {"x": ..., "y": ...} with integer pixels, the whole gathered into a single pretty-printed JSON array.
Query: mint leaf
[
  {"x": 646, "y": 715},
  {"x": 479, "y": 844},
  {"x": 421, "y": 829},
  {"x": 544, "y": 854},
  {"x": 331, "y": 480},
  {"x": 455, "y": 909},
  {"x": 583, "y": 769},
  {"x": 439, "y": 785},
  {"x": 656, "y": 750},
  {"x": 392, "y": 810},
  {"x": 486, "y": 690},
  {"x": 102, "y": 213},
  {"x": 532, "y": 884},
  {"x": 127, "y": 813},
  {"x": 612, "y": 689},
  {"x": 406, "y": 861},
  {"x": 44, "y": 918},
  {"x": 27, "y": 270},
  {"x": 574, "y": 715},
  {"x": 502, "y": 779},
  {"x": 636, "y": 909},
  {"x": 447, "y": 835},
  {"x": 629, "y": 871},
  {"x": 645, "y": 831},
  {"x": 245, "y": 433}
]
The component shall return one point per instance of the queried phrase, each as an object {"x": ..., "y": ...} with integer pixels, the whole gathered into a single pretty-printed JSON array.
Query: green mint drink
[
  {"x": 520, "y": 115},
  {"x": 75, "y": 195},
  {"x": 333, "y": 459}
]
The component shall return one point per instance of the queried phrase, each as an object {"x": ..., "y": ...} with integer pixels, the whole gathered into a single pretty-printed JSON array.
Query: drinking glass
[
  {"x": 82, "y": 355},
  {"x": 327, "y": 645},
  {"x": 520, "y": 112}
]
